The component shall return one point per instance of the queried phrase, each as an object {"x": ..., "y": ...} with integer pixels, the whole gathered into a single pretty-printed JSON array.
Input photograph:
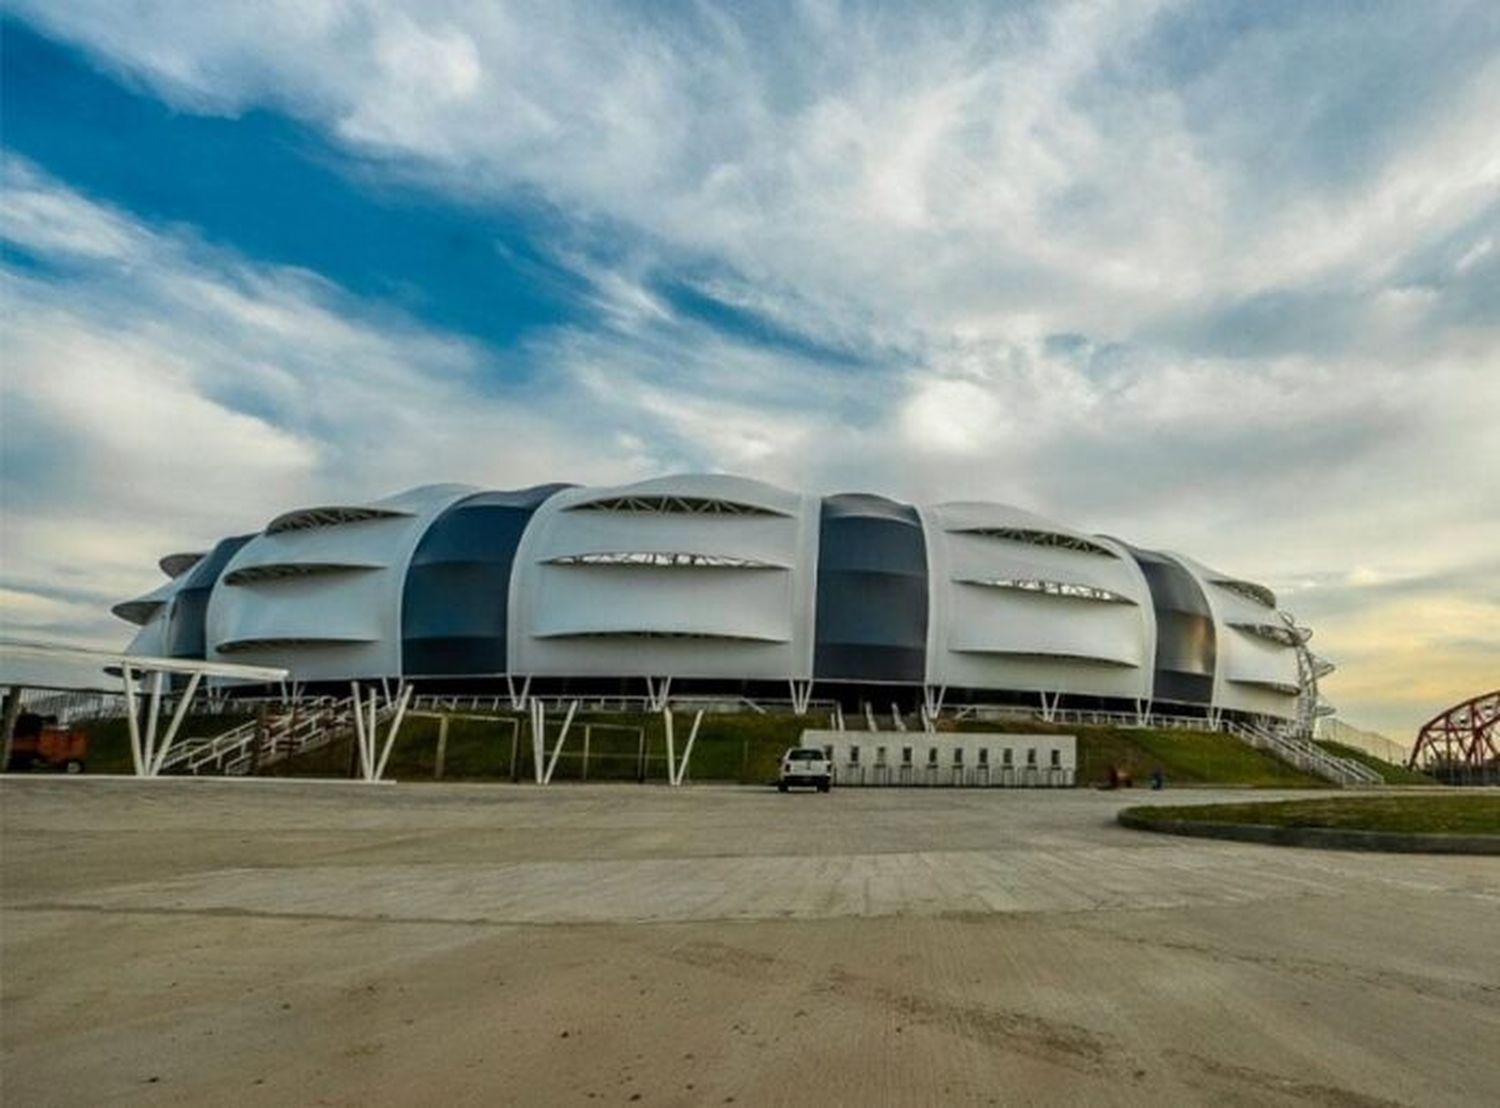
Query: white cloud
[
  {"x": 161, "y": 395},
  {"x": 1219, "y": 217}
]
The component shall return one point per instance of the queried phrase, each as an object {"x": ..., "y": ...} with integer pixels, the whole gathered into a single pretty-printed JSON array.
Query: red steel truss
[{"x": 1466, "y": 734}]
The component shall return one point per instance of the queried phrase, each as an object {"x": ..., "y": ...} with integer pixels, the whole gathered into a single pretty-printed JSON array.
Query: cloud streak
[{"x": 1224, "y": 280}]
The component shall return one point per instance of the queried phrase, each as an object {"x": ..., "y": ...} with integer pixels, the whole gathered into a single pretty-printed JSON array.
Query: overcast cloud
[{"x": 1216, "y": 278}]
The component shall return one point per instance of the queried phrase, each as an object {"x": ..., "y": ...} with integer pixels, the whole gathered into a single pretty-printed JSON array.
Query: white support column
[
  {"x": 1142, "y": 712},
  {"x": 538, "y": 740},
  {"x": 932, "y": 698},
  {"x": 687, "y": 751},
  {"x": 657, "y": 694},
  {"x": 370, "y": 732},
  {"x": 561, "y": 738},
  {"x": 896, "y": 717},
  {"x": 176, "y": 722},
  {"x": 127, "y": 675},
  {"x": 153, "y": 718},
  {"x": 671, "y": 748},
  {"x": 357, "y": 706},
  {"x": 403, "y": 698}
]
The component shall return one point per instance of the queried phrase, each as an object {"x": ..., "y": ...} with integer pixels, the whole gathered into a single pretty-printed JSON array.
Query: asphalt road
[{"x": 331, "y": 943}]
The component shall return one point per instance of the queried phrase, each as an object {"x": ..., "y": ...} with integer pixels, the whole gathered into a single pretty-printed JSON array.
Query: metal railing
[
  {"x": 1305, "y": 755},
  {"x": 299, "y": 728}
]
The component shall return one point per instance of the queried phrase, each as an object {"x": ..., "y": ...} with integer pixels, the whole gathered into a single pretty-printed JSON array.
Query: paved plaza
[{"x": 330, "y": 943}]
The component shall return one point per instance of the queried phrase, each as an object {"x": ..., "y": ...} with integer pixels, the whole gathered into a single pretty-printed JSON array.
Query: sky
[{"x": 1216, "y": 278}]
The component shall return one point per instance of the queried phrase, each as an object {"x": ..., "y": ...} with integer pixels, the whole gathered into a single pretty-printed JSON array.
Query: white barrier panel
[{"x": 952, "y": 760}]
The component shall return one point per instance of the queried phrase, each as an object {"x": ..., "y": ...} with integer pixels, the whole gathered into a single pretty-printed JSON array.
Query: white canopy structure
[{"x": 42, "y": 665}]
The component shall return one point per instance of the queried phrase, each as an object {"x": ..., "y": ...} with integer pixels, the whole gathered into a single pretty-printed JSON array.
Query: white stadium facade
[{"x": 724, "y": 585}]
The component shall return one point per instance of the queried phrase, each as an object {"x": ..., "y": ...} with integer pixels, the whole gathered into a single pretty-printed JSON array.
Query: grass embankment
[
  {"x": 1391, "y": 774},
  {"x": 746, "y": 747},
  {"x": 1185, "y": 757},
  {"x": 109, "y": 739},
  {"x": 1427, "y": 814},
  {"x": 600, "y": 747},
  {"x": 740, "y": 748}
]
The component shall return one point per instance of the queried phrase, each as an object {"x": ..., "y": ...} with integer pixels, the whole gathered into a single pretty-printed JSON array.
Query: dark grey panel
[
  {"x": 1186, "y": 649},
  {"x": 872, "y": 591},
  {"x": 187, "y": 633},
  {"x": 455, "y": 606}
]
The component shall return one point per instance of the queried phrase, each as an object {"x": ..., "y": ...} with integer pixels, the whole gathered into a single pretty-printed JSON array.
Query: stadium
[{"x": 719, "y": 585}]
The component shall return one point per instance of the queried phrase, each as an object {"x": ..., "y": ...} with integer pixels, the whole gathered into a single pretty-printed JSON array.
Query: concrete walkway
[{"x": 177, "y": 942}]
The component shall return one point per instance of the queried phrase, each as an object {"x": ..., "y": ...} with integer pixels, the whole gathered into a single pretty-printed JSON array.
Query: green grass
[
  {"x": 746, "y": 748},
  {"x": 1389, "y": 773},
  {"x": 109, "y": 739},
  {"x": 1428, "y": 814},
  {"x": 621, "y": 747},
  {"x": 742, "y": 747},
  {"x": 1185, "y": 757}
]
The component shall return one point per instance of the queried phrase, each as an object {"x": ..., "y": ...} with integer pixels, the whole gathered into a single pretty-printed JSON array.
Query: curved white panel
[
  {"x": 150, "y": 606},
  {"x": 1253, "y": 672},
  {"x": 715, "y": 577},
  {"x": 1011, "y": 613},
  {"x": 273, "y": 606},
  {"x": 152, "y": 638},
  {"x": 175, "y": 565},
  {"x": 744, "y": 612}
]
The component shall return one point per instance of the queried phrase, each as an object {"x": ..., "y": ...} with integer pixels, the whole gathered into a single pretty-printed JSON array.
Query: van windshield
[{"x": 805, "y": 756}]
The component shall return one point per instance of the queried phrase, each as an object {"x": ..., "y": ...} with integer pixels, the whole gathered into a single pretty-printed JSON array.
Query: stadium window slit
[
  {"x": 984, "y": 755},
  {"x": 932, "y": 756},
  {"x": 906, "y": 755},
  {"x": 1031, "y": 756},
  {"x": 1056, "y": 759},
  {"x": 1007, "y": 756},
  {"x": 853, "y": 755},
  {"x": 880, "y": 755},
  {"x": 958, "y": 755}
]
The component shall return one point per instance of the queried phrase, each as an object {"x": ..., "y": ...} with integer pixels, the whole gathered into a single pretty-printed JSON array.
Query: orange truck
[{"x": 38, "y": 744}]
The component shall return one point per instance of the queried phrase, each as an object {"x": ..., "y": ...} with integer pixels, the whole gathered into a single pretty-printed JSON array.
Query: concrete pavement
[{"x": 297, "y": 942}]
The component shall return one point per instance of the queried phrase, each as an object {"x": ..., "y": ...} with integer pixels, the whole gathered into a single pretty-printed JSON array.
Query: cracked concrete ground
[{"x": 188, "y": 942}]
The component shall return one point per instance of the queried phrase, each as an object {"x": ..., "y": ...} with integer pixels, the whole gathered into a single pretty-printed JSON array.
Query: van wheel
[
  {"x": 824, "y": 785},
  {"x": 781, "y": 786}
]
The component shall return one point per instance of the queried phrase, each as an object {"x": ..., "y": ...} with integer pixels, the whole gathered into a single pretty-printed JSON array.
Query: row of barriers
[{"x": 955, "y": 759}]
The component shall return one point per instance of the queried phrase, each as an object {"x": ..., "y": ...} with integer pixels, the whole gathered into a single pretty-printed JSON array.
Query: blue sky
[{"x": 1219, "y": 278}]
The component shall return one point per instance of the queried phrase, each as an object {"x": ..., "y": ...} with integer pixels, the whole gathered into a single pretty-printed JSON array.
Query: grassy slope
[
  {"x": 1185, "y": 757},
  {"x": 1392, "y": 774},
  {"x": 746, "y": 748},
  {"x": 1430, "y": 813},
  {"x": 109, "y": 739},
  {"x": 742, "y": 748}
]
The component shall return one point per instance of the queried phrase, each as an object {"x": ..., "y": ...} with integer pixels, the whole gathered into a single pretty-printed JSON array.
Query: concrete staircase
[{"x": 1306, "y": 755}]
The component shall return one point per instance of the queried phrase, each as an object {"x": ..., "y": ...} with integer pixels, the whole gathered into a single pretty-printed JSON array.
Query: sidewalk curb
[{"x": 1322, "y": 838}]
